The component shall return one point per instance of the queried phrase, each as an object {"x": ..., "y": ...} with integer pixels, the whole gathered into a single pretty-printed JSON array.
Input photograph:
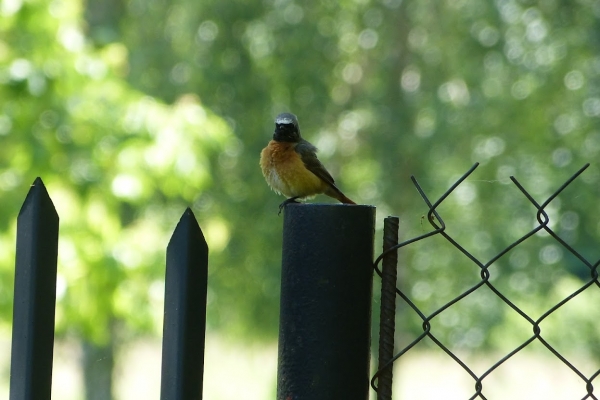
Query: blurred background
[{"x": 131, "y": 110}]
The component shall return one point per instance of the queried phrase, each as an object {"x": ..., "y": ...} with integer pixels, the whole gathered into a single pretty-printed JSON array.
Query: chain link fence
[{"x": 386, "y": 267}]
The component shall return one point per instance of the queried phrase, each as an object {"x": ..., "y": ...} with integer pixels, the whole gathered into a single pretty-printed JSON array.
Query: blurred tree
[
  {"x": 120, "y": 166},
  {"x": 385, "y": 88},
  {"x": 397, "y": 88}
]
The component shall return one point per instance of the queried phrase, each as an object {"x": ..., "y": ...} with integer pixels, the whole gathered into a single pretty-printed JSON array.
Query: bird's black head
[{"x": 286, "y": 128}]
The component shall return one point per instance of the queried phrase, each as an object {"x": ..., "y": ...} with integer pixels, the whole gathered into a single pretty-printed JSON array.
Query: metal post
[
  {"x": 35, "y": 297},
  {"x": 326, "y": 294},
  {"x": 185, "y": 312},
  {"x": 387, "y": 321}
]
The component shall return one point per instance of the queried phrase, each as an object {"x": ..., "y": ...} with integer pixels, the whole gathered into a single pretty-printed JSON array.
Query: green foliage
[
  {"x": 120, "y": 167},
  {"x": 386, "y": 89}
]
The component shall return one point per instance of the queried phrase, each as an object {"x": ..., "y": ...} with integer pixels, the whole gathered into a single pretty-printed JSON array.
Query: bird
[{"x": 291, "y": 167}]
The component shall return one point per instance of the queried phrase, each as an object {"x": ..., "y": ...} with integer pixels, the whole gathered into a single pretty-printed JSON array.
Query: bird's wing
[{"x": 308, "y": 154}]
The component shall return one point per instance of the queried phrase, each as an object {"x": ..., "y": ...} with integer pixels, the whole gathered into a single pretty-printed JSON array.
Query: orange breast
[{"x": 285, "y": 172}]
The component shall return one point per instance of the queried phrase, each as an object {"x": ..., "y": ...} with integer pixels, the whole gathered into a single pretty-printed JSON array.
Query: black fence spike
[
  {"x": 185, "y": 312},
  {"x": 34, "y": 297}
]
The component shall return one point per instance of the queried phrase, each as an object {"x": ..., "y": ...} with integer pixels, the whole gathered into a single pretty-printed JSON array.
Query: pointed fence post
[
  {"x": 34, "y": 297},
  {"x": 326, "y": 294},
  {"x": 185, "y": 312}
]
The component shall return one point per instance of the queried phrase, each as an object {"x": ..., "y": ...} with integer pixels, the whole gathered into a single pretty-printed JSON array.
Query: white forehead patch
[{"x": 284, "y": 120}]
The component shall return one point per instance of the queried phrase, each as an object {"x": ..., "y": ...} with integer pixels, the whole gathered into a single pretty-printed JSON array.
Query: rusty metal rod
[{"x": 387, "y": 322}]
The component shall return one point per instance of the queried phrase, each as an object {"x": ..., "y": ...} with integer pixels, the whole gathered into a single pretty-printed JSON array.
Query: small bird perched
[{"x": 291, "y": 167}]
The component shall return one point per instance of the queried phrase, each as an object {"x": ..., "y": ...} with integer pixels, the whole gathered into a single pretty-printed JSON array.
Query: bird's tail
[
  {"x": 345, "y": 200},
  {"x": 337, "y": 194}
]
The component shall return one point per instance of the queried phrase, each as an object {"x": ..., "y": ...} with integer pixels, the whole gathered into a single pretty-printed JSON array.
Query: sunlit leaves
[
  {"x": 386, "y": 89},
  {"x": 119, "y": 165}
]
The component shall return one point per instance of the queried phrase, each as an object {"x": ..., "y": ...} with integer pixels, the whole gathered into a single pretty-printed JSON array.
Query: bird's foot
[{"x": 286, "y": 202}]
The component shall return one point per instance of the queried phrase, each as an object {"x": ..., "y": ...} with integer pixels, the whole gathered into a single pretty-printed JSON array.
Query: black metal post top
[
  {"x": 326, "y": 294},
  {"x": 328, "y": 205},
  {"x": 327, "y": 210}
]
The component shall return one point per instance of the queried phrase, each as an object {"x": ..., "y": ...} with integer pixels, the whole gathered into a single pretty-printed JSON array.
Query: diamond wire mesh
[{"x": 383, "y": 377}]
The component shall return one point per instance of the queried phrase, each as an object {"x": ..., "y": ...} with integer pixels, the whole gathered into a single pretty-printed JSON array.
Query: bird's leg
[{"x": 288, "y": 201}]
